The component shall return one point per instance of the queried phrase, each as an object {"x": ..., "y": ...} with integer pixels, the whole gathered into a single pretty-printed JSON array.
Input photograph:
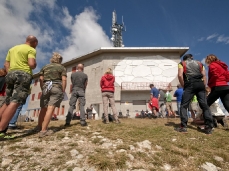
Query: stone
[
  {"x": 130, "y": 156},
  {"x": 158, "y": 147},
  {"x": 209, "y": 167},
  {"x": 71, "y": 162},
  {"x": 144, "y": 144},
  {"x": 167, "y": 167},
  {"x": 74, "y": 152},
  {"x": 217, "y": 158},
  {"x": 80, "y": 156},
  {"x": 78, "y": 169},
  {"x": 107, "y": 145},
  {"x": 6, "y": 162},
  {"x": 131, "y": 147},
  {"x": 174, "y": 139}
]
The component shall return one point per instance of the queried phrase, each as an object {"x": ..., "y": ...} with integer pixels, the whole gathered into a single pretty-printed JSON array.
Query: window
[
  {"x": 39, "y": 95},
  {"x": 35, "y": 82},
  {"x": 33, "y": 95},
  {"x": 70, "y": 91},
  {"x": 74, "y": 69}
]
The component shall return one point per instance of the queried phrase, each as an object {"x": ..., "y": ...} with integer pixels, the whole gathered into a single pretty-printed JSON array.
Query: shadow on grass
[{"x": 26, "y": 133}]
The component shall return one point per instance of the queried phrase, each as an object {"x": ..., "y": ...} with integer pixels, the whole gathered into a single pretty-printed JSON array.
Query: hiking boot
[
  {"x": 117, "y": 121},
  {"x": 83, "y": 123},
  {"x": 181, "y": 129},
  {"x": 67, "y": 124},
  {"x": 45, "y": 133},
  {"x": 105, "y": 121},
  {"x": 207, "y": 130}
]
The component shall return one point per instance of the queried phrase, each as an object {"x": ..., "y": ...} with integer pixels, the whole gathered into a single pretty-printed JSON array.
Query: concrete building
[{"x": 134, "y": 69}]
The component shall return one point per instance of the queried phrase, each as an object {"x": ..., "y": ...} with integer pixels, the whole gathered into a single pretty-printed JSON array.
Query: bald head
[
  {"x": 80, "y": 67},
  {"x": 31, "y": 41}
]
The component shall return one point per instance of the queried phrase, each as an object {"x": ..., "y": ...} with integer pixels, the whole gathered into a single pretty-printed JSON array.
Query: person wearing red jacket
[
  {"x": 2, "y": 86},
  {"x": 217, "y": 81},
  {"x": 107, "y": 89}
]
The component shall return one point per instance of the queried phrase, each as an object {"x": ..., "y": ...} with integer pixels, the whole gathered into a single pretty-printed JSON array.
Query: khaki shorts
[
  {"x": 2, "y": 100},
  {"x": 169, "y": 106},
  {"x": 53, "y": 98},
  {"x": 17, "y": 86}
]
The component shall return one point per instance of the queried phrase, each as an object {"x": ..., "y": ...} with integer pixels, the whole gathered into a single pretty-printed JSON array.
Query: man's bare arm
[
  {"x": 41, "y": 81},
  {"x": 64, "y": 83},
  {"x": 180, "y": 76},
  {"x": 204, "y": 77},
  {"x": 32, "y": 63},
  {"x": 7, "y": 65}
]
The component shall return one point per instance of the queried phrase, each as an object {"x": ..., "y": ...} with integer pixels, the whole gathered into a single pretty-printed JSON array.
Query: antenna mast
[{"x": 116, "y": 31}]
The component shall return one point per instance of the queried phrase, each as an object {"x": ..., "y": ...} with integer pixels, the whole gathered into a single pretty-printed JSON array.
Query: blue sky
[{"x": 76, "y": 27}]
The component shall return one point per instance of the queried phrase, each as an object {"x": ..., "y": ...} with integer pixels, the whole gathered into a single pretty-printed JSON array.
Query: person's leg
[
  {"x": 13, "y": 121},
  {"x": 82, "y": 111},
  {"x": 202, "y": 99},
  {"x": 112, "y": 102},
  {"x": 7, "y": 115},
  {"x": 72, "y": 106},
  {"x": 41, "y": 117},
  {"x": 47, "y": 118},
  {"x": 225, "y": 99},
  {"x": 186, "y": 98},
  {"x": 2, "y": 109},
  {"x": 178, "y": 108},
  {"x": 105, "y": 106},
  {"x": 212, "y": 97}
]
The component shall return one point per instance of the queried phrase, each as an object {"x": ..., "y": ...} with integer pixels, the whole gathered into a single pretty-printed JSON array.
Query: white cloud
[
  {"x": 212, "y": 36},
  {"x": 201, "y": 39},
  {"x": 223, "y": 39},
  {"x": 22, "y": 18},
  {"x": 86, "y": 34}
]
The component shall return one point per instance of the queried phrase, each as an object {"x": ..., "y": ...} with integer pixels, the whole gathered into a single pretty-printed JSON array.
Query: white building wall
[{"x": 128, "y": 67}]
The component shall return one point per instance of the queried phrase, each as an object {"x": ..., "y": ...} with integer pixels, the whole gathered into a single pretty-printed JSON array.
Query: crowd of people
[
  {"x": 198, "y": 95},
  {"x": 16, "y": 78}
]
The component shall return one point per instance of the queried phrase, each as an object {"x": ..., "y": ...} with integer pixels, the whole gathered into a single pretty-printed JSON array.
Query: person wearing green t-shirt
[
  {"x": 20, "y": 61},
  {"x": 168, "y": 103}
]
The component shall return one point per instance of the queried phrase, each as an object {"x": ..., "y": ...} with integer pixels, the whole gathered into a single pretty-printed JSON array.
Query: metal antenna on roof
[{"x": 116, "y": 31}]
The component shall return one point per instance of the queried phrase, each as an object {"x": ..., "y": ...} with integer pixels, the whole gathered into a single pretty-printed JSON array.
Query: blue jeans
[{"x": 14, "y": 119}]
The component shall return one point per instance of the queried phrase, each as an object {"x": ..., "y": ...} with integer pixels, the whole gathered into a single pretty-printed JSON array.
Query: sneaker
[
  {"x": 207, "y": 130},
  {"x": 67, "y": 124},
  {"x": 13, "y": 127},
  {"x": 36, "y": 129},
  {"x": 45, "y": 133},
  {"x": 6, "y": 136},
  {"x": 181, "y": 129},
  {"x": 83, "y": 123}
]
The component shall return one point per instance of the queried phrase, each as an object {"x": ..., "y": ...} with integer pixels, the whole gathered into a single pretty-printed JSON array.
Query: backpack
[{"x": 185, "y": 68}]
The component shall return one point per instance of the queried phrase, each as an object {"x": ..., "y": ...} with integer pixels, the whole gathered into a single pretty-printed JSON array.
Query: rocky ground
[{"x": 78, "y": 149}]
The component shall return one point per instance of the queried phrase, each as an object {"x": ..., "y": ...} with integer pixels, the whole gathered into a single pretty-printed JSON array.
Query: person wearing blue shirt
[
  {"x": 178, "y": 94},
  {"x": 154, "y": 97}
]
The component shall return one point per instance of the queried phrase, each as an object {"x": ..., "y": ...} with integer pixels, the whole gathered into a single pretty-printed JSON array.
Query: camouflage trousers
[{"x": 17, "y": 86}]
